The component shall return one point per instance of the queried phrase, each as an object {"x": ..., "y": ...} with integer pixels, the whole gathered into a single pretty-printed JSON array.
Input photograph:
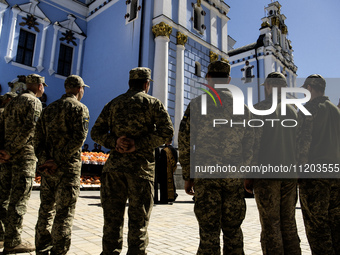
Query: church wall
[
  {"x": 9, "y": 71},
  {"x": 194, "y": 52},
  {"x": 112, "y": 49}
]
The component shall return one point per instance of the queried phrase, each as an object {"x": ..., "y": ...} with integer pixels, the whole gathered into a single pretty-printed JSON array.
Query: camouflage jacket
[
  {"x": 275, "y": 144},
  {"x": 61, "y": 132},
  {"x": 222, "y": 144},
  {"x": 17, "y": 126},
  {"x": 141, "y": 117},
  {"x": 319, "y": 134}
]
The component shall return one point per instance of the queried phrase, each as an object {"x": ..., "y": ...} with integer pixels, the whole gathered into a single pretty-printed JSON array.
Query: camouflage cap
[
  {"x": 140, "y": 73},
  {"x": 219, "y": 66},
  {"x": 74, "y": 81},
  {"x": 35, "y": 79},
  {"x": 315, "y": 80},
  {"x": 276, "y": 79}
]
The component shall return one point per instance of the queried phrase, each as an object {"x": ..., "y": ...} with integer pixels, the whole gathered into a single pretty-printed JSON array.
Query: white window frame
[
  {"x": 58, "y": 29},
  {"x": 128, "y": 11},
  {"x": 12, "y": 45},
  {"x": 244, "y": 73},
  {"x": 3, "y": 7},
  {"x": 200, "y": 19},
  {"x": 17, "y": 45}
]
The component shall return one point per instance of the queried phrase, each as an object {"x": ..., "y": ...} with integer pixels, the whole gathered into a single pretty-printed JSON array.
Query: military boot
[{"x": 21, "y": 248}]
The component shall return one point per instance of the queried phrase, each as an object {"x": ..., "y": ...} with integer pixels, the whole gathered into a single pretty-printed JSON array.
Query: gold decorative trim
[
  {"x": 225, "y": 60},
  {"x": 162, "y": 29},
  {"x": 284, "y": 30},
  {"x": 181, "y": 38},
  {"x": 275, "y": 21},
  {"x": 213, "y": 56},
  {"x": 265, "y": 24}
]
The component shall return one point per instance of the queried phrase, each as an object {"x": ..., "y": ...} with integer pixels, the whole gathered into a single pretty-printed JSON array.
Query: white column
[
  {"x": 213, "y": 28},
  {"x": 2, "y": 11},
  {"x": 9, "y": 55},
  {"x": 54, "y": 45},
  {"x": 269, "y": 65},
  {"x": 275, "y": 36},
  {"x": 160, "y": 73},
  {"x": 182, "y": 13},
  {"x": 80, "y": 51},
  {"x": 179, "y": 103},
  {"x": 162, "y": 7},
  {"x": 42, "y": 48},
  {"x": 224, "y": 34}
]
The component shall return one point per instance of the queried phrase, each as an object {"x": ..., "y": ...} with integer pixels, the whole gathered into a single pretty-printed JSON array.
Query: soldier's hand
[
  {"x": 4, "y": 156},
  {"x": 189, "y": 187},
  {"x": 125, "y": 145},
  {"x": 248, "y": 185},
  {"x": 131, "y": 147},
  {"x": 49, "y": 167}
]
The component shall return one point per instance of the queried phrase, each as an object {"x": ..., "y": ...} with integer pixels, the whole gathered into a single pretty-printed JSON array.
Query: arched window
[{"x": 197, "y": 69}]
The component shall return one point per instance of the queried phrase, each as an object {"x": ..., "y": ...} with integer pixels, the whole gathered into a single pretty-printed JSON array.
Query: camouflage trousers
[
  {"x": 58, "y": 196},
  {"x": 116, "y": 188},
  {"x": 320, "y": 203},
  {"x": 15, "y": 191},
  {"x": 2, "y": 224},
  {"x": 220, "y": 205},
  {"x": 276, "y": 201}
]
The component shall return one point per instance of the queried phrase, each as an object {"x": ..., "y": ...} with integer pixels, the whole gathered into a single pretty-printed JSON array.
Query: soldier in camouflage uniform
[
  {"x": 319, "y": 143},
  {"x": 17, "y": 127},
  {"x": 276, "y": 198},
  {"x": 219, "y": 203},
  {"x": 132, "y": 125},
  {"x": 5, "y": 99},
  {"x": 60, "y": 134}
]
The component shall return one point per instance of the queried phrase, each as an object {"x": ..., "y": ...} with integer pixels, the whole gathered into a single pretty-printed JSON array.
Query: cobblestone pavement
[{"x": 173, "y": 228}]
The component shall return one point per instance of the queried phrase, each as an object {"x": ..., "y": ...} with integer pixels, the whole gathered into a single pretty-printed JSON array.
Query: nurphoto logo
[{"x": 238, "y": 100}]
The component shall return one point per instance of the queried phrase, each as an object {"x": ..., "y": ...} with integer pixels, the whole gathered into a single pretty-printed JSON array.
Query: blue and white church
[
  {"x": 101, "y": 40},
  {"x": 272, "y": 52}
]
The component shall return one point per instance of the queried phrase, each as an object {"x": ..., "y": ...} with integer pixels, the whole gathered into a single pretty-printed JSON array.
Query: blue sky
[{"x": 313, "y": 28}]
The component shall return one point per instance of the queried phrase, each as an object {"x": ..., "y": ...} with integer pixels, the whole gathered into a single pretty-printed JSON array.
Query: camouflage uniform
[
  {"x": 143, "y": 118},
  {"x": 219, "y": 203},
  {"x": 276, "y": 198},
  {"x": 17, "y": 126},
  {"x": 8, "y": 95},
  {"x": 319, "y": 143},
  {"x": 60, "y": 134}
]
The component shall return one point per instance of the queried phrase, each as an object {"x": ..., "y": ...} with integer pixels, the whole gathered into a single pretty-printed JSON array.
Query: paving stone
[{"x": 173, "y": 228}]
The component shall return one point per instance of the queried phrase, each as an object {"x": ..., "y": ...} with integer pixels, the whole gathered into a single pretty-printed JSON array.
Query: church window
[
  {"x": 197, "y": 69},
  {"x": 198, "y": 19},
  {"x": 25, "y": 50},
  {"x": 248, "y": 72},
  {"x": 65, "y": 60},
  {"x": 66, "y": 56},
  {"x": 248, "y": 75},
  {"x": 133, "y": 9}
]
